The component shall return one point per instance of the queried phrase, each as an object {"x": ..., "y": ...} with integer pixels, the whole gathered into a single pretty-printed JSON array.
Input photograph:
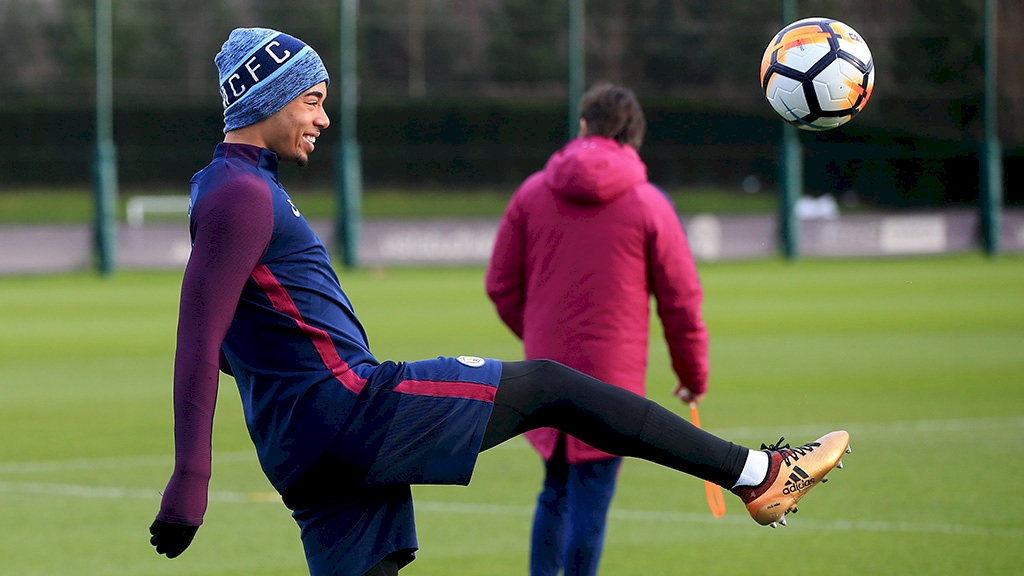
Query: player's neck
[{"x": 246, "y": 135}]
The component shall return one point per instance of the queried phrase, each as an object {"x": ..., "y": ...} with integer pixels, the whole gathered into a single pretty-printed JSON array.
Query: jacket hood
[{"x": 594, "y": 170}]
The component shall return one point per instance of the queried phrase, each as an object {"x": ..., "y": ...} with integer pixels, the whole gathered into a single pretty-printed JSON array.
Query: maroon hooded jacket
[{"x": 580, "y": 249}]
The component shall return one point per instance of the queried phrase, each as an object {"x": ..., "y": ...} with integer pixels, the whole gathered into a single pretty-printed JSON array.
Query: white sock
[{"x": 755, "y": 470}]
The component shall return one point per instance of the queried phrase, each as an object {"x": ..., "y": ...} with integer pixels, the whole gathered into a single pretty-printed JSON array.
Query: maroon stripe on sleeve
[{"x": 283, "y": 303}]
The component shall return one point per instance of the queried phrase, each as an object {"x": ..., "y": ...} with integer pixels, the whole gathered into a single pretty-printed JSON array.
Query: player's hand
[
  {"x": 171, "y": 539},
  {"x": 686, "y": 396}
]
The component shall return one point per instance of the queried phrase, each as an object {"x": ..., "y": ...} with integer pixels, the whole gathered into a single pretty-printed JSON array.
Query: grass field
[{"x": 922, "y": 360}]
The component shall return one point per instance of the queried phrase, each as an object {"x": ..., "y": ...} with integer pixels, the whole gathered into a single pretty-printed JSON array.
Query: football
[{"x": 817, "y": 73}]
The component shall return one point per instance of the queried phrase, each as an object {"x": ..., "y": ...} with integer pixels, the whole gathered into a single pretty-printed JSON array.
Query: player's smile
[{"x": 292, "y": 132}]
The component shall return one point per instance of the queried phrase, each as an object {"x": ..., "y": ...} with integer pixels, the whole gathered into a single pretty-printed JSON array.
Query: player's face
[{"x": 291, "y": 133}]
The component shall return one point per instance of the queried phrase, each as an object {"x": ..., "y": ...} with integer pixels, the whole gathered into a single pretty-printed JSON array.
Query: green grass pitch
[{"x": 922, "y": 360}]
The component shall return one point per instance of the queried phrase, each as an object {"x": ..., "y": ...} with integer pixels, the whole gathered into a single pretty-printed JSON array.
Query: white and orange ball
[{"x": 817, "y": 73}]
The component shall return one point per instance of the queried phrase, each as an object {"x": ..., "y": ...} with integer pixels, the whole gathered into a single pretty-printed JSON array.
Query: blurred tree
[
  {"x": 164, "y": 55},
  {"x": 1011, "y": 73},
  {"x": 416, "y": 48},
  {"x": 927, "y": 54},
  {"x": 163, "y": 49},
  {"x": 528, "y": 42},
  {"x": 940, "y": 57},
  {"x": 707, "y": 50},
  {"x": 72, "y": 43},
  {"x": 31, "y": 66}
]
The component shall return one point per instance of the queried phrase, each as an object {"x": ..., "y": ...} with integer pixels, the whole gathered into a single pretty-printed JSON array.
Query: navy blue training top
[{"x": 258, "y": 293}]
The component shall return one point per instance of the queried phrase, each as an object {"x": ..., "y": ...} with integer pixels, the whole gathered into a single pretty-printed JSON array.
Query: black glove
[{"x": 171, "y": 539}]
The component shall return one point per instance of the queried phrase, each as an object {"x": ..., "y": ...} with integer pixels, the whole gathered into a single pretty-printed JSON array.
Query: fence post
[
  {"x": 791, "y": 170},
  {"x": 350, "y": 177},
  {"x": 105, "y": 154},
  {"x": 991, "y": 201}
]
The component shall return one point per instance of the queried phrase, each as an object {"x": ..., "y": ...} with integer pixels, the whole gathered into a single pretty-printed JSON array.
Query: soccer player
[
  {"x": 339, "y": 434},
  {"x": 581, "y": 247}
]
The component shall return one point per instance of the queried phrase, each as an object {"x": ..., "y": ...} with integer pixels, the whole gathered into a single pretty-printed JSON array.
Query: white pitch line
[
  {"x": 881, "y": 428},
  {"x": 101, "y": 463},
  {"x": 80, "y": 491},
  {"x": 868, "y": 428},
  {"x": 117, "y": 493},
  {"x": 736, "y": 520}
]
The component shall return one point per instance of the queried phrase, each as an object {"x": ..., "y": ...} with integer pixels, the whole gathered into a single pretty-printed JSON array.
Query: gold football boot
[{"x": 792, "y": 472}]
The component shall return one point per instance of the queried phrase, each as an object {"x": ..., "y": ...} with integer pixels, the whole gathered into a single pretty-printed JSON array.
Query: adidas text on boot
[{"x": 792, "y": 472}]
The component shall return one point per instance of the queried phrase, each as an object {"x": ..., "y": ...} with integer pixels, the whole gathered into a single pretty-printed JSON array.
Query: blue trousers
[{"x": 569, "y": 522}]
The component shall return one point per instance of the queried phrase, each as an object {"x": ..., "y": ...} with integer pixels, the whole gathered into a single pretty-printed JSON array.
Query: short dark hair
[{"x": 614, "y": 112}]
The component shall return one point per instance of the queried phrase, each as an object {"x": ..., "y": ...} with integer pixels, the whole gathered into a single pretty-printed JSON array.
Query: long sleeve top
[{"x": 260, "y": 300}]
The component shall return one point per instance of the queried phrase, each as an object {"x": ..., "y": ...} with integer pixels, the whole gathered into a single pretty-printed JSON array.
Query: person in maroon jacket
[{"x": 581, "y": 247}]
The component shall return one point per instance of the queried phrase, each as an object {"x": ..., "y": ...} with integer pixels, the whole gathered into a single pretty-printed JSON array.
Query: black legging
[{"x": 542, "y": 393}]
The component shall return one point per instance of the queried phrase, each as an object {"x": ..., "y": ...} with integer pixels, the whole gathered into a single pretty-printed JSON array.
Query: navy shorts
[{"x": 414, "y": 423}]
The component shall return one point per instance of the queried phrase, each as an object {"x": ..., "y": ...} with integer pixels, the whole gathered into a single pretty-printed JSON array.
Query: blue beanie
[{"x": 262, "y": 70}]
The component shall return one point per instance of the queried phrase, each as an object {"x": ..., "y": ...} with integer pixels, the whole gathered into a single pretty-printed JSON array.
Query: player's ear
[{"x": 583, "y": 126}]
